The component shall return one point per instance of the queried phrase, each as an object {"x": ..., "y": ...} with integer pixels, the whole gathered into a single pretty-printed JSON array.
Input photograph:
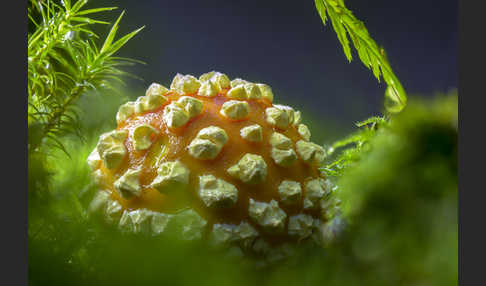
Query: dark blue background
[{"x": 284, "y": 44}]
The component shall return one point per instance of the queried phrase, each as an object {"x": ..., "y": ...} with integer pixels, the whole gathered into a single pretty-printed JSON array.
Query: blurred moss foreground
[{"x": 399, "y": 203}]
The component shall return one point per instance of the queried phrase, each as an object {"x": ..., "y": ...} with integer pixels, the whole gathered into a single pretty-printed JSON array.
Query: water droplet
[{"x": 393, "y": 103}]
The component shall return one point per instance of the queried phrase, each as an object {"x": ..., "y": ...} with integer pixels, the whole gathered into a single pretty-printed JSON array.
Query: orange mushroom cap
[{"x": 218, "y": 157}]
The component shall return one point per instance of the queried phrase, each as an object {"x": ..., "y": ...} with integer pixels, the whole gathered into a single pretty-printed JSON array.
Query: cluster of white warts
[{"x": 207, "y": 144}]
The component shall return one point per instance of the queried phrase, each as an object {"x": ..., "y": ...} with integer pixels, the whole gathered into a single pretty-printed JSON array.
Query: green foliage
[
  {"x": 347, "y": 152},
  {"x": 373, "y": 57},
  {"x": 401, "y": 200},
  {"x": 64, "y": 63},
  {"x": 337, "y": 164}
]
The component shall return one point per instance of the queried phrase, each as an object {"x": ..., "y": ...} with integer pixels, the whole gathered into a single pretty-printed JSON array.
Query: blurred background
[
  {"x": 284, "y": 44},
  {"x": 400, "y": 201}
]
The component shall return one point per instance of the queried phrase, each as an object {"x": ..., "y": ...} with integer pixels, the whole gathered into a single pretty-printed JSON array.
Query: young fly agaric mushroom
[{"x": 219, "y": 159}]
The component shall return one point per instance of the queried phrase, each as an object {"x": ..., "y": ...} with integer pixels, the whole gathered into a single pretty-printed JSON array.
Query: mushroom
[{"x": 209, "y": 144}]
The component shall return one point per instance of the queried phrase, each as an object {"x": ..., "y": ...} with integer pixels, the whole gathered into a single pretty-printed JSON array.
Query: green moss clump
[{"x": 401, "y": 200}]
